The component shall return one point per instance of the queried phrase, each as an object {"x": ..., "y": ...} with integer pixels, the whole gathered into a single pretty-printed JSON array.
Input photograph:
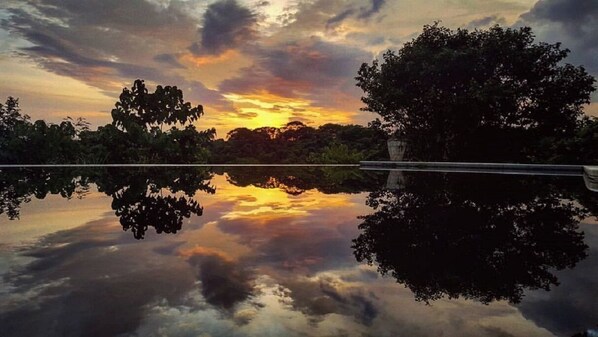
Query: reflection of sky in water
[{"x": 258, "y": 262}]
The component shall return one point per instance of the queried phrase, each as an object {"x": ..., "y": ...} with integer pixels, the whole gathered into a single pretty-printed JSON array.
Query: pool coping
[{"x": 483, "y": 166}]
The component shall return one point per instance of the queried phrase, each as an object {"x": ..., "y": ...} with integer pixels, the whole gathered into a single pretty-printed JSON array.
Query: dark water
[{"x": 295, "y": 251}]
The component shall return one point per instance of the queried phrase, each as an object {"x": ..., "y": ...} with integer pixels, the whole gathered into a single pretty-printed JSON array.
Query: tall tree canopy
[
  {"x": 476, "y": 95},
  {"x": 136, "y": 133}
]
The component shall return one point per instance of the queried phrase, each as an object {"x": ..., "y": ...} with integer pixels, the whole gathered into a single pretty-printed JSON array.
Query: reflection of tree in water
[
  {"x": 141, "y": 198},
  {"x": 296, "y": 180},
  {"x": 479, "y": 237},
  {"x": 19, "y": 185},
  {"x": 165, "y": 213},
  {"x": 144, "y": 198}
]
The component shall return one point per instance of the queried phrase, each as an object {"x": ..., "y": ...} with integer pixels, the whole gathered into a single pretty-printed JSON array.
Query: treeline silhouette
[
  {"x": 157, "y": 128},
  {"x": 298, "y": 143},
  {"x": 132, "y": 139}
]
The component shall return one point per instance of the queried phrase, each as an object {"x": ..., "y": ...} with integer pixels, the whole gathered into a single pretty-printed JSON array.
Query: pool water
[{"x": 263, "y": 251}]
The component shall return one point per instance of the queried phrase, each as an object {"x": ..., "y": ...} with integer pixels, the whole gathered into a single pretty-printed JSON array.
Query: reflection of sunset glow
[{"x": 270, "y": 203}]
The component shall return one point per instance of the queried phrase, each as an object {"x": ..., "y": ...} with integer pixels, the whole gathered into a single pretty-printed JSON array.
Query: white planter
[
  {"x": 396, "y": 149},
  {"x": 395, "y": 180},
  {"x": 590, "y": 177}
]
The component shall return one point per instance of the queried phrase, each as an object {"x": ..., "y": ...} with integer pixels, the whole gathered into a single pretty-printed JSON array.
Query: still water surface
[{"x": 295, "y": 252}]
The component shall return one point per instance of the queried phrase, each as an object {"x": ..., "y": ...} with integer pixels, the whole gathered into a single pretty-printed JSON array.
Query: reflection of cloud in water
[
  {"x": 321, "y": 306},
  {"x": 224, "y": 283},
  {"x": 95, "y": 290},
  {"x": 571, "y": 307},
  {"x": 283, "y": 275}
]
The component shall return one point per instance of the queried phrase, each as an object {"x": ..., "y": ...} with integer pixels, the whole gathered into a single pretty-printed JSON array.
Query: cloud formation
[
  {"x": 87, "y": 275},
  {"x": 361, "y": 12},
  {"x": 574, "y": 23},
  {"x": 309, "y": 68},
  {"x": 297, "y": 53},
  {"x": 226, "y": 25},
  {"x": 109, "y": 44}
]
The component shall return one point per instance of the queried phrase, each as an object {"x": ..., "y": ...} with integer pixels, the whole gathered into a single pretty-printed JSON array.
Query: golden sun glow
[{"x": 267, "y": 109}]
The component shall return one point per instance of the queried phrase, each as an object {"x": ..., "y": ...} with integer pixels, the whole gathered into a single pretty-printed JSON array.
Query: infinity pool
[{"x": 263, "y": 251}]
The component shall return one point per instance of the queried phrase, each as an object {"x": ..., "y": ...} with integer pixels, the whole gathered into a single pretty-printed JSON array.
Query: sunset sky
[{"x": 249, "y": 62}]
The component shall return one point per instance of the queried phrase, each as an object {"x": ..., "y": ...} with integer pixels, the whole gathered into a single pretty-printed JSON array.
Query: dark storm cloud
[
  {"x": 565, "y": 11},
  {"x": 89, "y": 281},
  {"x": 223, "y": 283},
  {"x": 226, "y": 25},
  {"x": 574, "y": 23},
  {"x": 358, "y": 12},
  {"x": 311, "y": 68}
]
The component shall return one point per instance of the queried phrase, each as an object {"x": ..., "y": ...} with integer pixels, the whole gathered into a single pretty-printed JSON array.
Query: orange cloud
[{"x": 212, "y": 59}]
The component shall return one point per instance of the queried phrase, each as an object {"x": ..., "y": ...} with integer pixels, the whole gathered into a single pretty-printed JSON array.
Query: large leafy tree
[
  {"x": 137, "y": 131},
  {"x": 476, "y": 95}
]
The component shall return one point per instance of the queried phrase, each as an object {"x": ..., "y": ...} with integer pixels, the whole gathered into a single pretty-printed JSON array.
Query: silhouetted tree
[
  {"x": 136, "y": 134},
  {"x": 487, "y": 95},
  {"x": 136, "y": 106}
]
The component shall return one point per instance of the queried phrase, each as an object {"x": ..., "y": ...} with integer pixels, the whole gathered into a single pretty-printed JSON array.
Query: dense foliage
[
  {"x": 297, "y": 143},
  {"x": 483, "y": 95}
]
